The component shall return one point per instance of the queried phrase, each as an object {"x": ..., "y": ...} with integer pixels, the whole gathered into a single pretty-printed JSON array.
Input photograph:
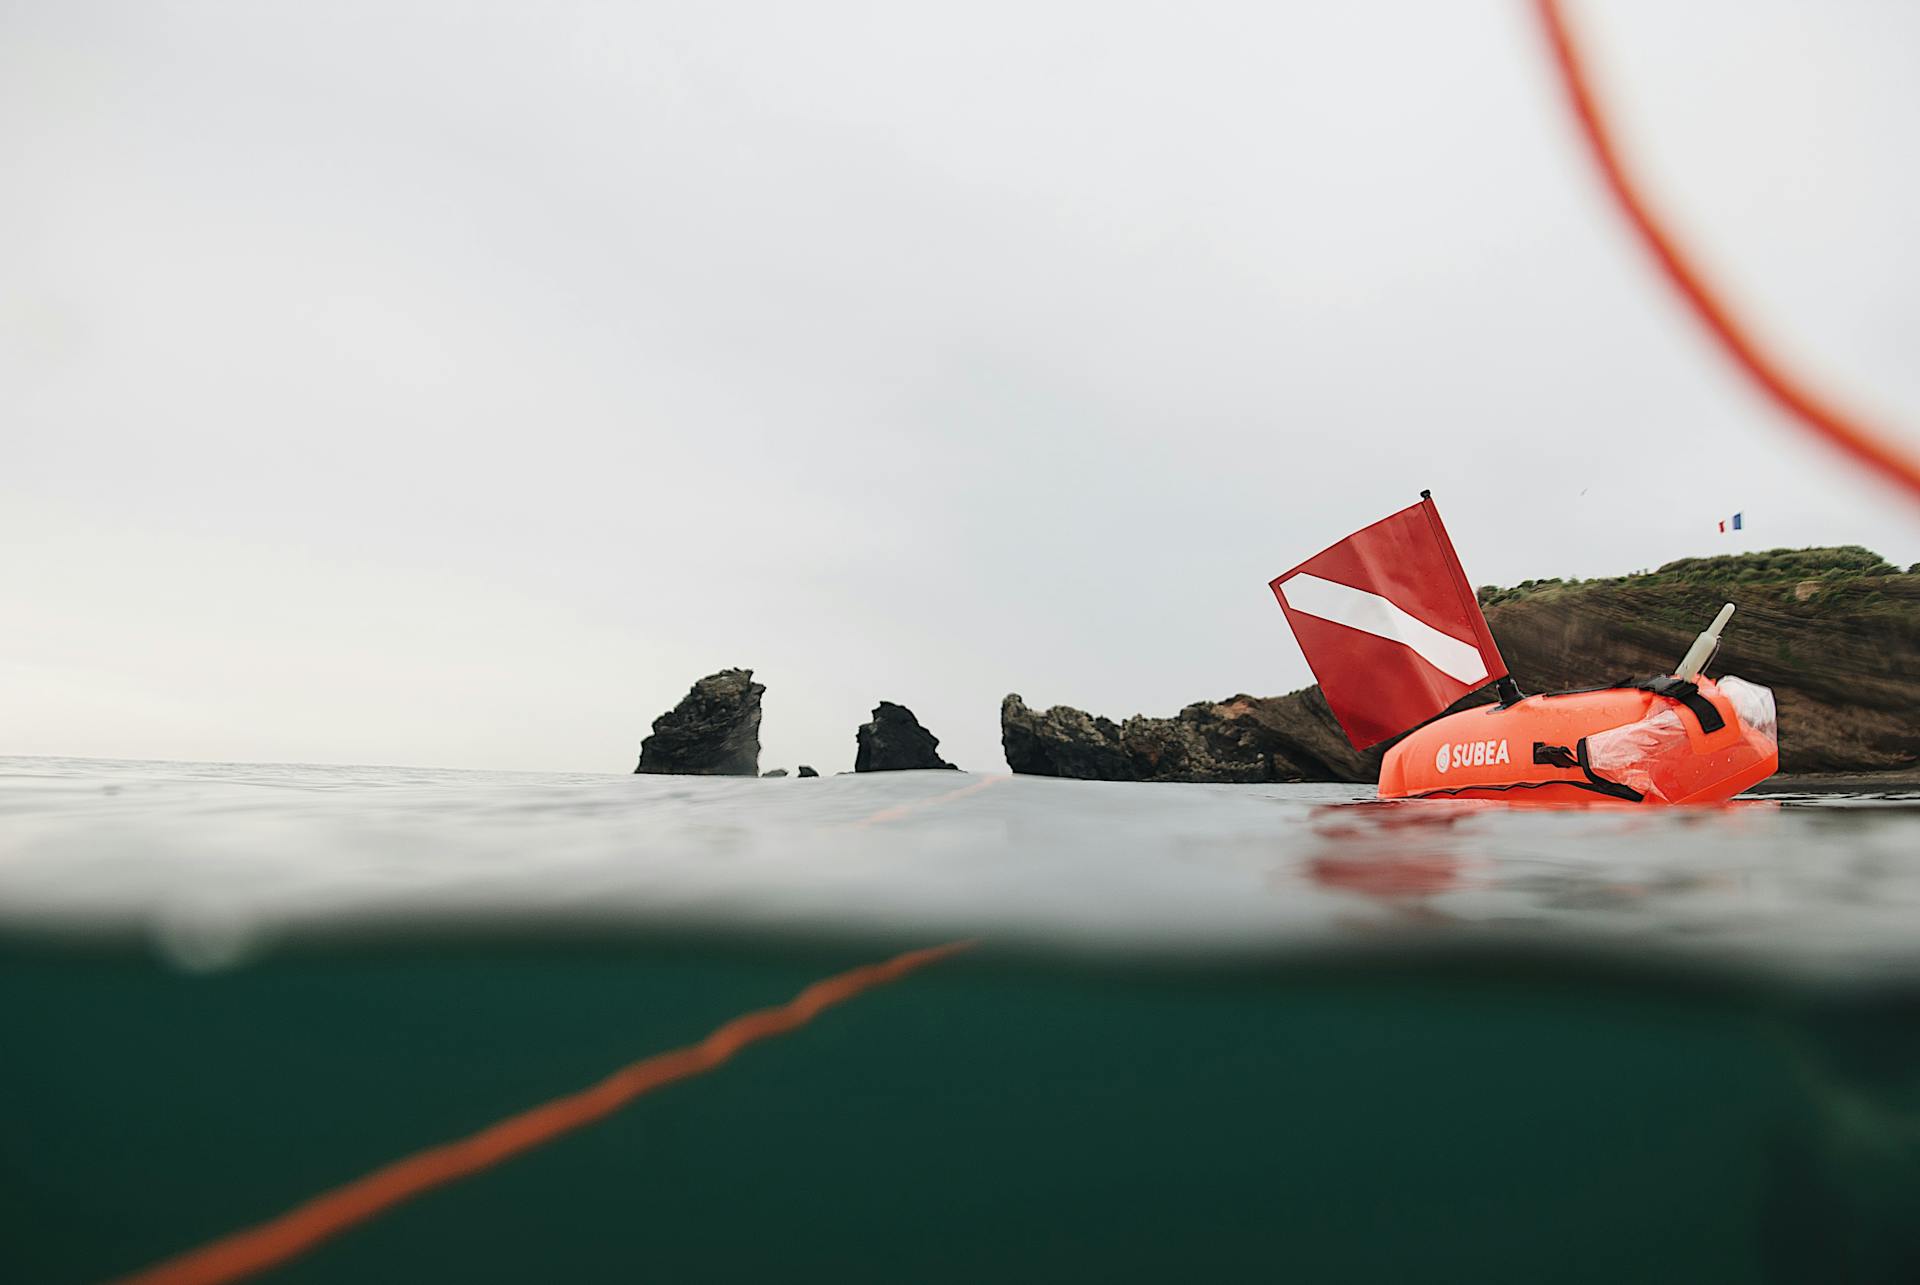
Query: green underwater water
[{"x": 1403, "y": 1115}]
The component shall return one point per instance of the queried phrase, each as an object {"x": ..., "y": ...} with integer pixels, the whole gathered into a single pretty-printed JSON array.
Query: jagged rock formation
[
  {"x": 806, "y": 771},
  {"x": 770, "y": 773},
  {"x": 894, "y": 741},
  {"x": 713, "y": 731},
  {"x": 1835, "y": 633},
  {"x": 1063, "y": 741},
  {"x": 1243, "y": 739}
]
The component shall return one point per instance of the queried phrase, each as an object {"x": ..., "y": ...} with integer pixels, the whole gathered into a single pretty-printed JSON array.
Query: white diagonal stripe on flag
[{"x": 1372, "y": 614}]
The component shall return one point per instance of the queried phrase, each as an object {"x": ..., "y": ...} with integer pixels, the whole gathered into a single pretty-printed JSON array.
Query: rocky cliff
[
  {"x": 1835, "y": 633},
  {"x": 894, "y": 741},
  {"x": 713, "y": 731}
]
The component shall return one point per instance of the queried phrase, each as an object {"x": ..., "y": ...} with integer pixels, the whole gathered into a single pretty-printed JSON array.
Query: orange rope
[
  {"x": 268, "y": 1244},
  {"x": 895, "y": 813},
  {"x": 1869, "y": 446}
]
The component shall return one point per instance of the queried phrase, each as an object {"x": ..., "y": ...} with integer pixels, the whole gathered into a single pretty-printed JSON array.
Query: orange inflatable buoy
[
  {"x": 1394, "y": 633},
  {"x": 1669, "y": 740}
]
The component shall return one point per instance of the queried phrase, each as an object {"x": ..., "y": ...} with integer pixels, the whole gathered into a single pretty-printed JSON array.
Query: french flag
[{"x": 1730, "y": 523}]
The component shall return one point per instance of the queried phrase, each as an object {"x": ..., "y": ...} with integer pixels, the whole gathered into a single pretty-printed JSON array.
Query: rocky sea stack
[
  {"x": 894, "y": 741},
  {"x": 1835, "y": 632},
  {"x": 1240, "y": 739},
  {"x": 713, "y": 731}
]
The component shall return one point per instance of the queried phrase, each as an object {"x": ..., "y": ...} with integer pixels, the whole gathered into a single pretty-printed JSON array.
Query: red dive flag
[{"x": 1389, "y": 625}]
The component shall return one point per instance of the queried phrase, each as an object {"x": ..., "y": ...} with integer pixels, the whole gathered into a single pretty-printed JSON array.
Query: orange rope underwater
[
  {"x": 268, "y": 1244},
  {"x": 905, "y": 809},
  {"x": 1869, "y": 446}
]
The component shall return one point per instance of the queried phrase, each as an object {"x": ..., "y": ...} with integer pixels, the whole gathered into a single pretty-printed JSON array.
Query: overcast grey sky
[{"x": 453, "y": 384}]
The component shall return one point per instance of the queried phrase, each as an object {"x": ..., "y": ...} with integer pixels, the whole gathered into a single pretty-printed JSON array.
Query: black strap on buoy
[
  {"x": 1561, "y": 756},
  {"x": 1687, "y": 693},
  {"x": 1554, "y": 755},
  {"x": 1600, "y": 784}
]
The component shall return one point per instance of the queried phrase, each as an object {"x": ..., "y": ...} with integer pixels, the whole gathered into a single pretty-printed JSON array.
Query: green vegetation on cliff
[
  {"x": 1834, "y": 631},
  {"x": 1791, "y": 566}
]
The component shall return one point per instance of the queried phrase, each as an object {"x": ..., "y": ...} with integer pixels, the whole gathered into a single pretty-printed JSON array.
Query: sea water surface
[
  {"x": 207, "y": 861},
  {"x": 1211, "y": 1030}
]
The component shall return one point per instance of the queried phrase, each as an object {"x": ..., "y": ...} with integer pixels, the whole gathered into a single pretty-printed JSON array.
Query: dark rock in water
[
  {"x": 1835, "y": 633},
  {"x": 714, "y": 731},
  {"x": 773, "y": 772},
  {"x": 895, "y": 742},
  {"x": 1062, "y": 742},
  {"x": 807, "y": 771},
  {"x": 1241, "y": 739}
]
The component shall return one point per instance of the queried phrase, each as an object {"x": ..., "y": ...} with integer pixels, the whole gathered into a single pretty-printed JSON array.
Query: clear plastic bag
[
  {"x": 1646, "y": 754},
  {"x": 1633, "y": 753},
  {"x": 1754, "y": 704}
]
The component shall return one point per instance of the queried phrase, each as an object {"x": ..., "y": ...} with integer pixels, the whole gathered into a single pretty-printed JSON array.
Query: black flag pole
[{"x": 1508, "y": 690}]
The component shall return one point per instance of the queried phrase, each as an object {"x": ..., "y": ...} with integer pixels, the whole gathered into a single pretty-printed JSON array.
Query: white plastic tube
[{"x": 1704, "y": 646}]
